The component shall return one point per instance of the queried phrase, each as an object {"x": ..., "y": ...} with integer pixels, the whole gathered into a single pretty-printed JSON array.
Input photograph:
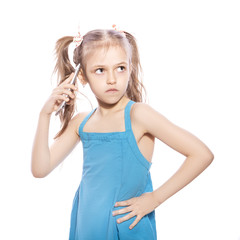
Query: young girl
[{"x": 115, "y": 199}]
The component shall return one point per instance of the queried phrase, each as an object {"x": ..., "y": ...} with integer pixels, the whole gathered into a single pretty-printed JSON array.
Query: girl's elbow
[
  {"x": 37, "y": 173},
  {"x": 205, "y": 158},
  {"x": 211, "y": 157},
  {"x": 208, "y": 158}
]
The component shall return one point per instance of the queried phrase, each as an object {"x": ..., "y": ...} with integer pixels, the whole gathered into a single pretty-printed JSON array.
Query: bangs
[{"x": 103, "y": 45}]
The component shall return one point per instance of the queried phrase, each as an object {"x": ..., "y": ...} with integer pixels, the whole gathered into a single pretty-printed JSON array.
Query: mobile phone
[{"x": 72, "y": 82}]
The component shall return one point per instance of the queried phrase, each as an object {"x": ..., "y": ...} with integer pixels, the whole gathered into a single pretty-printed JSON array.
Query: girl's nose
[{"x": 111, "y": 79}]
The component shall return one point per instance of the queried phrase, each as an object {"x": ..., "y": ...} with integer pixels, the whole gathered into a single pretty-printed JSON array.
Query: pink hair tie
[
  {"x": 78, "y": 39},
  {"x": 117, "y": 29}
]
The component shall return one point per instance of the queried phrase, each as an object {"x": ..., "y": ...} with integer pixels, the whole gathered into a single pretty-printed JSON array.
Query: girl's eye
[
  {"x": 121, "y": 68},
  {"x": 99, "y": 71}
]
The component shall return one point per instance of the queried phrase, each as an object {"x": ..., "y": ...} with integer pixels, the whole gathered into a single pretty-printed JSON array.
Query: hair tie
[
  {"x": 117, "y": 29},
  {"x": 78, "y": 39}
]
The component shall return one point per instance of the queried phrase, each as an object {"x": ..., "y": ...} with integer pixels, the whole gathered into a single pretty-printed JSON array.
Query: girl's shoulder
[
  {"x": 77, "y": 120},
  {"x": 140, "y": 111},
  {"x": 148, "y": 119},
  {"x": 141, "y": 114}
]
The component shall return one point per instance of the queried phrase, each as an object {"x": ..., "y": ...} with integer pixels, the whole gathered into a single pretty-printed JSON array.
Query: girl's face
[{"x": 108, "y": 73}]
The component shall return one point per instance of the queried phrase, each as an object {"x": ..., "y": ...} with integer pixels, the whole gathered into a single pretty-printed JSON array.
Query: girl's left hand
[{"x": 137, "y": 206}]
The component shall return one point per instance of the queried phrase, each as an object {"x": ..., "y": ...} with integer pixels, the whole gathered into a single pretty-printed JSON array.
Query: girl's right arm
[{"x": 45, "y": 159}]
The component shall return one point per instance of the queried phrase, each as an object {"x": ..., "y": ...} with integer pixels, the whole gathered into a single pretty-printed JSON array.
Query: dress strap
[
  {"x": 127, "y": 118},
  {"x": 128, "y": 125},
  {"x": 85, "y": 120}
]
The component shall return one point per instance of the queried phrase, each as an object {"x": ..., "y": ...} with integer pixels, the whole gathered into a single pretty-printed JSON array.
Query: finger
[
  {"x": 121, "y": 211},
  {"x": 125, "y": 218},
  {"x": 59, "y": 98},
  {"x": 124, "y": 203},
  {"x": 60, "y": 91},
  {"x": 68, "y": 80},
  {"x": 68, "y": 85},
  {"x": 56, "y": 106},
  {"x": 67, "y": 89},
  {"x": 138, "y": 218}
]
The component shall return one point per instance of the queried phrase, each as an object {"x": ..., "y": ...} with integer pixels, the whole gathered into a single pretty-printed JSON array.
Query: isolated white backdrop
[{"x": 190, "y": 56}]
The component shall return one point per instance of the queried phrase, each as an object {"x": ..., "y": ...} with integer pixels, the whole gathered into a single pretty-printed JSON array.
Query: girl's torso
[
  {"x": 116, "y": 167},
  {"x": 115, "y": 123}
]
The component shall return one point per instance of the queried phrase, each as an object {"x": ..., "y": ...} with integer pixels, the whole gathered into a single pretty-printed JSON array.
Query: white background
[{"x": 190, "y": 53}]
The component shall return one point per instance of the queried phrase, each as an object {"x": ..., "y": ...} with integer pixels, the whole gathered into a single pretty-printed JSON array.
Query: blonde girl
[{"x": 115, "y": 198}]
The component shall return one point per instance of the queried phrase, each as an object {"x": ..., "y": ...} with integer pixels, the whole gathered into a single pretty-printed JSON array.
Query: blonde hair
[{"x": 92, "y": 40}]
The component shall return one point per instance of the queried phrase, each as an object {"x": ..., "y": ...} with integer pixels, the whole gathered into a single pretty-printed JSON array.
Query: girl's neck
[{"x": 105, "y": 109}]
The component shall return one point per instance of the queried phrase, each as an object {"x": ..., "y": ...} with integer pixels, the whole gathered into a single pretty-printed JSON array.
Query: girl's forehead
[{"x": 110, "y": 54}]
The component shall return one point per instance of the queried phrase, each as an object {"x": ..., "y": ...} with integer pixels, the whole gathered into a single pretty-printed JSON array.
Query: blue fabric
[{"x": 114, "y": 170}]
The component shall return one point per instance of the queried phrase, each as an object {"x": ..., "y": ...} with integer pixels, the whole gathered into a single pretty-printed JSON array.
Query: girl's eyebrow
[
  {"x": 101, "y": 66},
  {"x": 121, "y": 63}
]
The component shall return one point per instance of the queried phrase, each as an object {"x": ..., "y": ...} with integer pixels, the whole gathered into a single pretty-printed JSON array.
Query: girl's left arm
[{"x": 198, "y": 155}]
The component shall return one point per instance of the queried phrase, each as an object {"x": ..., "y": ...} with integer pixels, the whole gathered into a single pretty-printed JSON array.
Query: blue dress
[{"x": 114, "y": 170}]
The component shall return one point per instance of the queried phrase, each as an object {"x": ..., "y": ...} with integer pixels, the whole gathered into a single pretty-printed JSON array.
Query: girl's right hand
[{"x": 58, "y": 96}]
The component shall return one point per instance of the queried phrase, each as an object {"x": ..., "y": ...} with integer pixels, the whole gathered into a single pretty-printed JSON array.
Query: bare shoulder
[
  {"x": 143, "y": 115},
  {"x": 77, "y": 120},
  {"x": 151, "y": 121},
  {"x": 141, "y": 108}
]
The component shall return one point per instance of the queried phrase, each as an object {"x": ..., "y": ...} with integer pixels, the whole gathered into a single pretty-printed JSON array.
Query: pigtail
[
  {"x": 135, "y": 87},
  {"x": 64, "y": 68}
]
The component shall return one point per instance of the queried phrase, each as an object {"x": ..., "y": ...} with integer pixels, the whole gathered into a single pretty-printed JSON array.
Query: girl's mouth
[{"x": 112, "y": 90}]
